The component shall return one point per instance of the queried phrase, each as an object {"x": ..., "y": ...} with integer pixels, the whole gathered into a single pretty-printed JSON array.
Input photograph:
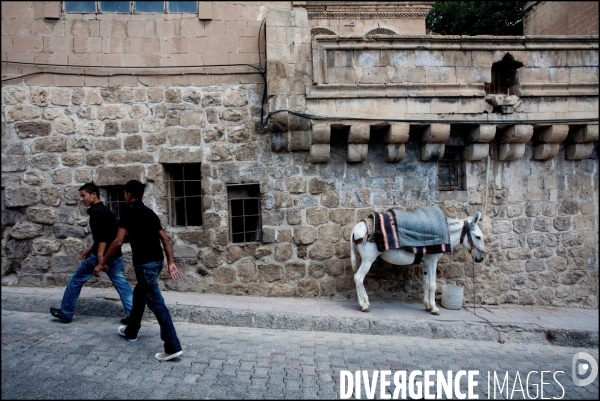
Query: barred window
[
  {"x": 451, "y": 170},
  {"x": 245, "y": 220},
  {"x": 115, "y": 199},
  {"x": 184, "y": 194},
  {"x": 130, "y": 7}
]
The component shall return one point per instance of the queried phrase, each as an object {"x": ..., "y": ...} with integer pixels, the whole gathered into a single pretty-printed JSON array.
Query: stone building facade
[
  {"x": 364, "y": 111},
  {"x": 560, "y": 18}
]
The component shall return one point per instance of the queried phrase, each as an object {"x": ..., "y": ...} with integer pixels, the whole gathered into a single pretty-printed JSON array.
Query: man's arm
[
  {"x": 116, "y": 244},
  {"x": 169, "y": 251}
]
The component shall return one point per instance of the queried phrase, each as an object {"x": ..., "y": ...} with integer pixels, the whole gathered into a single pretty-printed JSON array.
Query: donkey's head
[{"x": 472, "y": 238}]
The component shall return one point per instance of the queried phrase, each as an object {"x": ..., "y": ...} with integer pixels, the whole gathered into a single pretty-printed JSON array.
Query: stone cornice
[
  {"x": 366, "y": 15},
  {"x": 434, "y": 42}
]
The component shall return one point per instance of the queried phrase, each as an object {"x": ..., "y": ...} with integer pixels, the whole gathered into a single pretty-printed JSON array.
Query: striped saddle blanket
[{"x": 421, "y": 232}]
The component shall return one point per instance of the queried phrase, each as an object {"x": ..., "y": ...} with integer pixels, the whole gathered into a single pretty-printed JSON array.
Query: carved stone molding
[{"x": 365, "y": 15}]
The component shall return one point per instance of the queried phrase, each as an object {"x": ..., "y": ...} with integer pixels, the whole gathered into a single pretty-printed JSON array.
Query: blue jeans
[
  {"x": 85, "y": 271},
  {"x": 146, "y": 291}
]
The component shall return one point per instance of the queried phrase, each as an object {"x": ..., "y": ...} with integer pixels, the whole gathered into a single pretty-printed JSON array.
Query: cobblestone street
[{"x": 43, "y": 359}]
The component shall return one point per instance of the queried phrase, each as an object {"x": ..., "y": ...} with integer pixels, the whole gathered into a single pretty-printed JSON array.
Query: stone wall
[
  {"x": 560, "y": 18},
  {"x": 317, "y": 178}
]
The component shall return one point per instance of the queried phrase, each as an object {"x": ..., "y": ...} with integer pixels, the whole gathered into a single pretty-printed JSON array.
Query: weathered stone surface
[
  {"x": 42, "y": 215},
  {"x": 17, "y": 197},
  {"x": 118, "y": 175},
  {"x": 49, "y": 144},
  {"x": 33, "y": 129},
  {"x": 35, "y": 265},
  {"x": 65, "y": 231},
  {"x": 44, "y": 246},
  {"x": 13, "y": 163},
  {"x": 269, "y": 273},
  {"x": 26, "y": 230},
  {"x": 21, "y": 113},
  {"x": 32, "y": 177},
  {"x": 305, "y": 235},
  {"x": 182, "y": 155}
]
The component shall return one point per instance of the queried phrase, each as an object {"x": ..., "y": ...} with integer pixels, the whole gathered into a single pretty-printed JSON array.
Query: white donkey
[{"x": 465, "y": 232}]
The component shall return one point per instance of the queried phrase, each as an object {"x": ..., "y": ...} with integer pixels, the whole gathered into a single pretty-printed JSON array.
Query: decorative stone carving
[
  {"x": 510, "y": 151},
  {"x": 476, "y": 151},
  {"x": 579, "y": 151}
]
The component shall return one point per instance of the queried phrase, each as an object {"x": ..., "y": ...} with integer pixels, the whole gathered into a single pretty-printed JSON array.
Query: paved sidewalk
[{"x": 511, "y": 323}]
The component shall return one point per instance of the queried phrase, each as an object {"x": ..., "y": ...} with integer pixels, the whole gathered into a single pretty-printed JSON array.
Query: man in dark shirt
[
  {"x": 145, "y": 235},
  {"x": 104, "y": 230}
]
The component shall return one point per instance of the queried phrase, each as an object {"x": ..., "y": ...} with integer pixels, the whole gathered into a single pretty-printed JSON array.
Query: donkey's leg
[
  {"x": 431, "y": 273},
  {"x": 368, "y": 254},
  {"x": 426, "y": 288}
]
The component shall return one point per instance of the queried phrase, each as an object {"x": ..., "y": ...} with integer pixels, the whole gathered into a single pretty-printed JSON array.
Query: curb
[{"x": 510, "y": 333}]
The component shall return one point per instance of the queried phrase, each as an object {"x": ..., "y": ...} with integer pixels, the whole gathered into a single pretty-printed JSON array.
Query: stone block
[
  {"x": 583, "y": 134},
  {"x": 397, "y": 133},
  {"x": 299, "y": 140},
  {"x": 394, "y": 152},
  {"x": 31, "y": 177},
  {"x": 432, "y": 151},
  {"x": 517, "y": 134},
  {"x": 42, "y": 215},
  {"x": 545, "y": 151},
  {"x": 13, "y": 163},
  {"x": 280, "y": 141},
  {"x": 436, "y": 133},
  {"x": 510, "y": 151},
  {"x": 278, "y": 123},
  {"x": 27, "y": 230},
  {"x": 551, "y": 133},
  {"x": 359, "y": 133},
  {"x": 33, "y": 129},
  {"x": 476, "y": 151},
  {"x": 321, "y": 134},
  {"x": 357, "y": 152},
  {"x": 21, "y": 113},
  {"x": 269, "y": 273},
  {"x": 106, "y": 176},
  {"x": 35, "y": 265},
  {"x": 319, "y": 153},
  {"x": 482, "y": 133},
  {"x": 50, "y": 144},
  {"x": 18, "y": 197},
  {"x": 180, "y": 155},
  {"x": 579, "y": 151}
]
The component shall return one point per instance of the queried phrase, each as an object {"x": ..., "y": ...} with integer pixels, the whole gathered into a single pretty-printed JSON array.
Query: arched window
[
  {"x": 380, "y": 31},
  {"x": 321, "y": 31}
]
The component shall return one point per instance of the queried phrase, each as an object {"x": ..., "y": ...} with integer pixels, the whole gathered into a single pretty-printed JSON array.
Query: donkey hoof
[
  {"x": 435, "y": 312},
  {"x": 367, "y": 309},
  {"x": 428, "y": 308}
]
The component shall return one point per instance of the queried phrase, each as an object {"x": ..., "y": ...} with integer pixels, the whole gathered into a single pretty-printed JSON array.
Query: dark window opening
[
  {"x": 245, "y": 220},
  {"x": 131, "y": 7},
  {"x": 504, "y": 76},
  {"x": 451, "y": 170},
  {"x": 115, "y": 200},
  {"x": 184, "y": 194}
]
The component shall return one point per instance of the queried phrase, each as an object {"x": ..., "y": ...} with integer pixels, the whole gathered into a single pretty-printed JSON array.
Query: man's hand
[
  {"x": 86, "y": 253},
  {"x": 100, "y": 268},
  {"x": 173, "y": 271}
]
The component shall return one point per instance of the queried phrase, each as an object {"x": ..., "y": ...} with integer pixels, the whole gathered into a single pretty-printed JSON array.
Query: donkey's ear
[{"x": 476, "y": 218}]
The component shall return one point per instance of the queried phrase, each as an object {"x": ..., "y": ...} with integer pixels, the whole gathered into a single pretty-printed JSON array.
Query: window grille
[
  {"x": 245, "y": 220},
  {"x": 184, "y": 194},
  {"x": 451, "y": 170},
  {"x": 130, "y": 7},
  {"x": 115, "y": 200}
]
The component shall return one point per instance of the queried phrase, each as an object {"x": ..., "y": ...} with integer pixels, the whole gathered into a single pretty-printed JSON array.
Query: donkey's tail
[
  {"x": 359, "y": 233},
  {"x": 352, "y": 255}
]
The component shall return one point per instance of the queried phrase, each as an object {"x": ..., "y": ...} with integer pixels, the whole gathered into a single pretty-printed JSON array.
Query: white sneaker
[
  {"x": 163, "y": 356},
  {"x": 122, "y": 334}
]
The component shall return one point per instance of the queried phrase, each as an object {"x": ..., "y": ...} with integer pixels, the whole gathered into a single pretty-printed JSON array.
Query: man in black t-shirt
[
  {"x": 145, "y": 235},
  {"x": 104, "y": 230}
]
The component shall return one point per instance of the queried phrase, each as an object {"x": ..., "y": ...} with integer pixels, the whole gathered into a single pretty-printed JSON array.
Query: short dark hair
[
  {"x": 90, "y": 188},
  {"x": 135, "y": 188}
]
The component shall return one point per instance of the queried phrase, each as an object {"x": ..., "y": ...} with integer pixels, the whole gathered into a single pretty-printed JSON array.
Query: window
[
  {"x": 245, "y": 222},
  {"x": 184, "y": 194},
  {"x": 451, "y": 170},
  {"x": 115, "y": 200},
  {"x": 504, "y": 75},
  {"x": 130, "y": 7}
]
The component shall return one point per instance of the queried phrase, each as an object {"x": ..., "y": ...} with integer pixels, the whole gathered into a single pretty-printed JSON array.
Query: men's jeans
[
  {"x": 85, "y": 271},
  {"x": 146, "y": 291}
]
